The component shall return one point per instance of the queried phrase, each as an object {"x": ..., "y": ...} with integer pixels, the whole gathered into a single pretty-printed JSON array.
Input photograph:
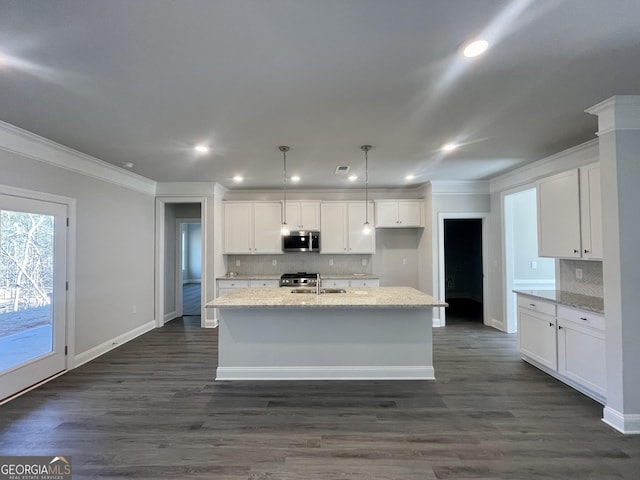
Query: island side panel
[{"x": 325, "y": 343}]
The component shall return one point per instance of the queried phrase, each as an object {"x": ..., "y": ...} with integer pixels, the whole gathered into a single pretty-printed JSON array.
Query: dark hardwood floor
[{"x": 151, "y": 410}]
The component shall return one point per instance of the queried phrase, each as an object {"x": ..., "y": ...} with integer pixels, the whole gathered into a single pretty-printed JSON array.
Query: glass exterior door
[{"x": 32, "y": 292}]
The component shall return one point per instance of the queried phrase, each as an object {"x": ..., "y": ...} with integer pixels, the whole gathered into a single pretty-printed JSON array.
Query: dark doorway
[{"x": 463, "y": 269}]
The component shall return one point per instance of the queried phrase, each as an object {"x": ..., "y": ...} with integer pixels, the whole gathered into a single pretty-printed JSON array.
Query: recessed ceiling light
[
  {"x": 409, "y": 177},
  {"x": 238, "y": 179},
  {"x": 201, "y": 149},
  {"x": 475, "y": 48},
  {"x": 127, "y": 164},
  {"x": 353, "y": 178},
  {"x": 449, "y": 147},
  {"x": 295, "y": 178}
]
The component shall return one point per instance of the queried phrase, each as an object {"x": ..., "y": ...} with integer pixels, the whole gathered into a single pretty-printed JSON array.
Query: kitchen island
[{"x": 381, "y": 333}]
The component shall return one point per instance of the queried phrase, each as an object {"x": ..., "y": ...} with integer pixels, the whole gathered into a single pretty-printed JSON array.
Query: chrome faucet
[{"x": 318, "y": 283}]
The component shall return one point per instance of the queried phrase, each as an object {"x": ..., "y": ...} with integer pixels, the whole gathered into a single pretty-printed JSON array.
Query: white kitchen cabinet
[
  {"x": 559, "y": 216},
  {"x": 399, "y": 213},
  {"x": 341, "y": 228},
  {"x": 303, "y": 215},
  {"x": 362, "y": 282},
  {"x": 252, "y": 227},
  {"x": 335, "y": 283},
  {"x": 345, "y": 282},
  {"x": 582, "y": 350},
  {"x": 537, "y": 331},
  {"x": 225, "y": 286},
  {"x": 570, "y": 214},
  {"x": 591, "y": 212}
]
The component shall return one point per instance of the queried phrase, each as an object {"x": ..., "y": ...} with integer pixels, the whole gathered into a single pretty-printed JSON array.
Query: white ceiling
[{"x": 143, "y": 81}]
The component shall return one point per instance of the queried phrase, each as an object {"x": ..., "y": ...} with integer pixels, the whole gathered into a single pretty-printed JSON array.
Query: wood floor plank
[{"x": 152, "y": 410}]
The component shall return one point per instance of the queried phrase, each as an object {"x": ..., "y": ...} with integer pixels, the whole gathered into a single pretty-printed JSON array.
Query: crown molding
[
  {"x": 459, "y": 187},
  {"x": 620, "y": 112},
  {"x": 24, "y": 143},
  {"x": 177, "y": 189},
  {"x": 573, "y": 157}
]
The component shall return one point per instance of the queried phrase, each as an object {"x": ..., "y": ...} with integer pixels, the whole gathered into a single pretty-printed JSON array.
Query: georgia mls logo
[{"x": 35, "y": 468}]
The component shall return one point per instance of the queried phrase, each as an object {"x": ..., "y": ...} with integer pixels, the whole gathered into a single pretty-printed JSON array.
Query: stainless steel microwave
[{"x": 301, "y": 241}]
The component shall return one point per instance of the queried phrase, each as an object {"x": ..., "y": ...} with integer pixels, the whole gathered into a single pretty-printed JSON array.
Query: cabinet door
[
  {"x": 333, "y": 228},
  {"x": 264, "y": 283},
  {"x": 559, "y": 216},
  {"x": 387, "y": 214},
  {"x": 310, "y": 215},
  {"x": 293, "y": 215},
  {"x": 591, "y": 212},
  {"x": 266, "y": 227},
  {"x": 537, "y": 337},
  {"x": 359, "y": 242},
  {"x": 582, "y": 356},
  {"x": 410, "y": 214},
  {"x": 237, "y": 228}
]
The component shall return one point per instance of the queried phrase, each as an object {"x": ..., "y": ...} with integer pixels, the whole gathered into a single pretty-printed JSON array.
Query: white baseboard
[
  {"x": 169, "y": 316},
  {"x": 627, "y": 424},
  {"x": 498, "y": 325},
  {"x": 211, "y": 323},
  {"x": 103, "y": 348},
  {"x": 325, "y": 373}
]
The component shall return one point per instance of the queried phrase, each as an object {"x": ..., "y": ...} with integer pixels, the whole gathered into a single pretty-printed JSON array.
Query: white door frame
[
  {"x": 69, "y": 269},
  {"x": 161, "y": 203},
  {"x": 179, "y": 279},
  {"x": 441, "y": 275}
]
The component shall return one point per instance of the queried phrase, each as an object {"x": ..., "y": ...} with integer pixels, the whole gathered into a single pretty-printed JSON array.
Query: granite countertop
[
  {"x": 397, "y": 297},
  {"x": 332, "y": 276},
  {"x": 576, "y": 300}
]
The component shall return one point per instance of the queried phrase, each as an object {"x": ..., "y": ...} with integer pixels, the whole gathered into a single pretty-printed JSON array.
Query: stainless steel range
[{"x": 299, "y": 279}]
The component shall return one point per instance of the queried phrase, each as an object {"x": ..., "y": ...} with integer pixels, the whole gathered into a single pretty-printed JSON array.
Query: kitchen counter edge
[{"x": 569, "y": 299}]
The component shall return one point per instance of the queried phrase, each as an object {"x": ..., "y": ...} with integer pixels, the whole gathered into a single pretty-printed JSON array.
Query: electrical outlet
[
  {"x": 364, "y": 262},
  {"x": 331, "y": 262},
  {"x": 274, "y": 262},
  {"x": 237, "y": 263},
  {"x": 579, "y": 273},
  {"x": 404, "y": 261},
  {"x": 534, "y": 265}
]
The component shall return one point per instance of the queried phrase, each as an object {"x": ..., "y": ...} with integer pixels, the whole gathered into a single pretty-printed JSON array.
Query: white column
[{"x": 619, "y": 143}]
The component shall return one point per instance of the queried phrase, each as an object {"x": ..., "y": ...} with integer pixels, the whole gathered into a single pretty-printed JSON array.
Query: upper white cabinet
[
  {"x": 341, "y": 226},
  {"x": 399, "y": 213},
  {"x": 303, "y": 215},
  {"x": 569, "y": 214},
  {"x": 252, "y": 227}
]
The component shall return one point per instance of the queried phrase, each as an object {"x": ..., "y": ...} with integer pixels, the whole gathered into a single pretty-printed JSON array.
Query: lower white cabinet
[
  {"x": 565, "y": 342},
  {"x": 226, "y": 286},
  {"x": 581, "y": 349},
  {"x": 537, "y": 331},
  {"x": 344, "y": 282}
]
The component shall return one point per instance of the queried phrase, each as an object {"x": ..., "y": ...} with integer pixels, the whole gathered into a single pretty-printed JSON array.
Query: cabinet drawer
[
  {"x": 582, "y": 317},
  {"x": 233, "y": 284},
  {"x": 542, "y": 306},
  {"x": 264, "y": 283},
  {"x": 364, "y": 283},
  {"x": 335, "y": 283}
]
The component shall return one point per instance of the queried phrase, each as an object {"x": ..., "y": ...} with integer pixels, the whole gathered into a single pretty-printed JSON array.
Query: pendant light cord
[
  {"x": 284, "y": 149},
  {"x": 366, "y": 149}
]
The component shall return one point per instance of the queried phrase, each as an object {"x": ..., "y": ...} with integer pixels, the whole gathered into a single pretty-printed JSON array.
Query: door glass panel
[{"x": 26, "y": 286}]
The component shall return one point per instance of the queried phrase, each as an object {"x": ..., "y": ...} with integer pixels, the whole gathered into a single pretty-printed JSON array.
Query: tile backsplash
[
  {"x": 591, "y": 282},
  {"x": 298, "y": 262}
]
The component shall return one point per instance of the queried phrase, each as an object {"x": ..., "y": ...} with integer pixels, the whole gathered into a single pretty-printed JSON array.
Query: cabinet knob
[
  {"x": 559, "y": 327},
  {"x": 584, "y": 318},
  {"x": 576, "y": 251},
  {"x": 550, "y": 324},
  {"x": 587, "y": 251},
  {"x": 532, "y": 304}
]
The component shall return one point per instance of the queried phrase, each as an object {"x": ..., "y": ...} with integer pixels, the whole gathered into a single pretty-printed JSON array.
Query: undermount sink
[{"x": 323, "y": 290}]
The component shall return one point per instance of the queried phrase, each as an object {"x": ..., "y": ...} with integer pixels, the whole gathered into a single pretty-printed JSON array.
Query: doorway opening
[
  {"x": 463, "y": 272},
  {"x": 188, "y": 288},
  {"x": 523, "y": 268}
]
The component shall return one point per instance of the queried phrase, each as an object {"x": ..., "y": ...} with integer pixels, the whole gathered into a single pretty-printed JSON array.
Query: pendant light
[
  {"x": 366, "y": 229},
  {"x": 284, "y": 228}
]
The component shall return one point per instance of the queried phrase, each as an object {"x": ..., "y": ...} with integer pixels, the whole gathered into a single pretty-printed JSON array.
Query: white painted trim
[
  {"x": 620, "y": 112},
  {"x": 484, "y": 217},
  {"x": 30, "y": 145},
  {"x": 627, "y": 424},
  {"x": 211, "y": 323},
  {"x": 574, "y": 157},
  {"x": 33, "y": 387},
  {"x": 167, "y": 317},
  {"x": 115, "y": 342},
  {"x": 325, "y": 373}
]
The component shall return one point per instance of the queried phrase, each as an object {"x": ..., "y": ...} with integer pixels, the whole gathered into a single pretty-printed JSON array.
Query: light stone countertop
[
  {"x": 569, "y": 299},
  {"x": 396, "y": 297}
]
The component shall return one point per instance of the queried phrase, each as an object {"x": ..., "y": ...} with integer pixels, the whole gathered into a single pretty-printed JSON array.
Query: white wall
[{"x": 114, "y": 243}]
